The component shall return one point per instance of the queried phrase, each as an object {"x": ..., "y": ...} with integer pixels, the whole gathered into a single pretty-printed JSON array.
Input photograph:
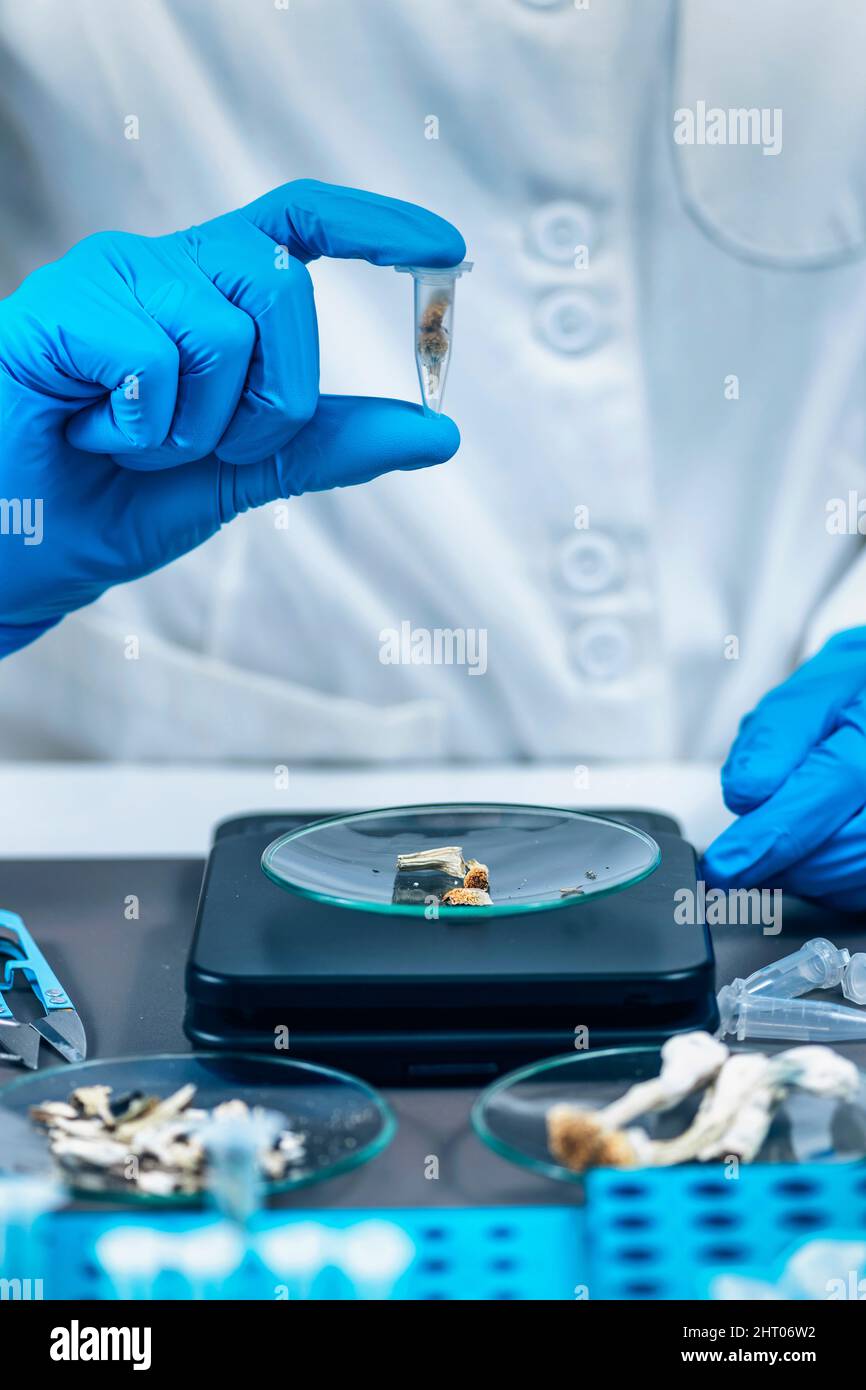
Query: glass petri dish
[
  {"x": 510, "y": 1115},
  {"x": 344, "y": 1122},
  {"x": 539, "y": 858}
]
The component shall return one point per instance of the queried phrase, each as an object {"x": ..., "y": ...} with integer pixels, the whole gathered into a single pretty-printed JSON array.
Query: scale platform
[{"x": 401, "y": 1000}]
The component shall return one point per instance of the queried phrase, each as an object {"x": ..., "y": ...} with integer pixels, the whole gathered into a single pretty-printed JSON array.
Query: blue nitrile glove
[
  {"x": 796, "y": 777},
  {"x": 151, "y": 388}
]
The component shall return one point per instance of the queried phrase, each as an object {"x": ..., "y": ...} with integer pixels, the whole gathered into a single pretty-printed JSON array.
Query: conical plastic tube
[
  {"x": 434, "y": 326},
  {"x": 817, "y": 965},
  {"x": 799, "y": 1020},
  {"x": 854, "y": 979}
]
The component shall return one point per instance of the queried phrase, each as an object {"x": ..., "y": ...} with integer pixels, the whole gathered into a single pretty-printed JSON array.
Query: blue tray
[
  {"x": 662, "y": 1235},
  {"x": 641, "y": 1236},
  {"x": 479, "y": 1253}
]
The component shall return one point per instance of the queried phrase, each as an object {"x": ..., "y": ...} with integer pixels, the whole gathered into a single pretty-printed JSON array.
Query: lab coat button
[
  {"x": 590, "y": 563},
  {"x": 603, "y": 649},
  {"x": 566, "y": 321},
  {"x": 558, "y": 230}
]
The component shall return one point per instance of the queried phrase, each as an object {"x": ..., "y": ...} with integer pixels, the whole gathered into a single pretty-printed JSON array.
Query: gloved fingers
[
  {"x": 322, "y": 219},
  {"x": 74, "y": 333},
  {"x": 834, "y": 872},
  {"x": 351, "y": 439},
  {"x": 820, "y": 795},
  {"x": 778, "y": 734},
  {"x": 128, "y": 355},
  {"x": 148, "y": 519},
  {"x": 275, "y": 291},
  {"x": 214, "y": 342}
]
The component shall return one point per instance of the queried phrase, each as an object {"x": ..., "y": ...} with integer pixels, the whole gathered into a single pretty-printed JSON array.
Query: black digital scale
[{"x": 407, "y": 1000}]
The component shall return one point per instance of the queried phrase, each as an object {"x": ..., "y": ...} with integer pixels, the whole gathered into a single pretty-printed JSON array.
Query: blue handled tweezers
[{"x": 60, "y": 1025}]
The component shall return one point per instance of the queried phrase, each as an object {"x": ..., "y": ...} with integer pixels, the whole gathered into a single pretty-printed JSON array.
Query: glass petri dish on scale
[{"x": 538, "y": 858}]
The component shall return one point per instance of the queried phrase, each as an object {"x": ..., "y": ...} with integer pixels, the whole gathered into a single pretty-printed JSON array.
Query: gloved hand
[
  {"x": 151, "y": 388},
  {"x": 796, "y": 777}
]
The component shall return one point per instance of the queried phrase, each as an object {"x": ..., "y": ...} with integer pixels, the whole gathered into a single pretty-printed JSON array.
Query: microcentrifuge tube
[
  {"x": 854, "y": 978},
  {"x": 434, "y": 326},
  {"x": 25, "y": 1203},
  {"x": 795, "y": 1020},
  {"x": 206, "y": 1257},
  {"x": 296, "y": 1253},
  {"x": 234, "y": 1176},
  {"x": 374, "y": 1255},
  {"x": 817, "y": 965},
  {"x": 131, "y": 1258}
]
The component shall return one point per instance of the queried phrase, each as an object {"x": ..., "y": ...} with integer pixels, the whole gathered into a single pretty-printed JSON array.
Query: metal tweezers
[{"x": 60, "y": 1025}]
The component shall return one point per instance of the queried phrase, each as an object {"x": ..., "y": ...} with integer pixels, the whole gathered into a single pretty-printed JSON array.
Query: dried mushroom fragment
[
  {"x": 740, "y": 1096},
  {"x": 154, "y": 1144},
  {"x": 477, "y": 876},
  {"x": 433, "y": 341},
  {"x": 580, "y": 1139},
  {"x": 467, "y": 897},
  {"x": 92, "y": 1103},
  {"x": 447, "y": 860},
  {"x": 470, "y": 879}
]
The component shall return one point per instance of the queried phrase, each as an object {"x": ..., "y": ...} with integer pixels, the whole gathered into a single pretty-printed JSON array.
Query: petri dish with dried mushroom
[
  {"x": 692, "y": 1101},
  {"x": 461, "y": 860},
  {"x": 141, "y": 1130}
]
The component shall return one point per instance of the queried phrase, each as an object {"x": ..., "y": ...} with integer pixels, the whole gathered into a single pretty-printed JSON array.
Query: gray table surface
[{"x": 127, "y": 979}]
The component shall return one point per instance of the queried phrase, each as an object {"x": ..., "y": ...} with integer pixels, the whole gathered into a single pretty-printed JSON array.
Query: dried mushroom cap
[
  {"x": 579, "y": 1140},
  {"x": 573, "y": 1136},
  {"x": 433, "y": 344},
  {"x": 467, "y": 897},
  {"x": 477, "y": 875},
  {"x": 433, "y": 314},
  {"x": 614, "y": 1150}
]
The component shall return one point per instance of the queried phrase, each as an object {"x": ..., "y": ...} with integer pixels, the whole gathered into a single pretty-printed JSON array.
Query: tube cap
[{"x": 854, "y": 979}]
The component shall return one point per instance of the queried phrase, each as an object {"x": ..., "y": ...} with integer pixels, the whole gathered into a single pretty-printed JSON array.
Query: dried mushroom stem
[
  {"x": 94, "y": 1137},
  {"x": 434, "y": 314},
  {"x": 447, "y": 860},
  {"x": 743, "y": 1078},
  {"x": 689, "y": 1061},
  {"x": 734, "y": 1116},
  {"x": 577, "y": 1137},
  {"x": 736, "y": 1113}
]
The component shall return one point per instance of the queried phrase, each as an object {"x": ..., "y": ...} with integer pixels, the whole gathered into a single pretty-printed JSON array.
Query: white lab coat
[{"x": 695, "y": 392}]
